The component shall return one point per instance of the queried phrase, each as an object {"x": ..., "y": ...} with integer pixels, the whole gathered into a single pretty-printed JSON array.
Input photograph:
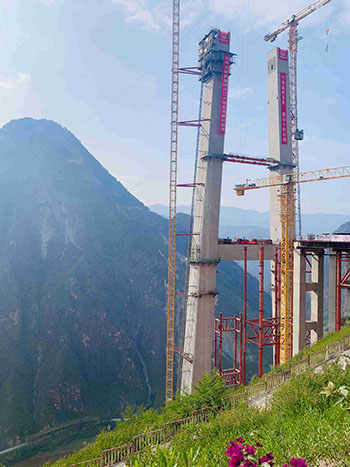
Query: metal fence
[
  {"x": 275, "y": 380},
  {"x": 110, "y": 457},
  {"x": 334, "y": 348},
  {"x": 255, "y": 389},
  {"x": 233, "y": 400},
  {"x": 202, "y": 415},
  {"x": 299, "y": 367},
  {"x": 172, "y": 428},
  {"x": 316, "y": 358},
  {"x": 346, "y": 341}
]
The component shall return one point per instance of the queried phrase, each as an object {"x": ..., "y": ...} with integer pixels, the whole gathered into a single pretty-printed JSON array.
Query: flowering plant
[{"x": 244, "y": 455}]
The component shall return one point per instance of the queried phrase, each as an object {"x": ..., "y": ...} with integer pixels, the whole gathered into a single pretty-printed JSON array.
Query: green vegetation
[
  {"x": 291, "y": 427},
  {"x": 320, "y": 345},
  {"x": 300, "y": 422},
  {"x": 209, "y": 392}
]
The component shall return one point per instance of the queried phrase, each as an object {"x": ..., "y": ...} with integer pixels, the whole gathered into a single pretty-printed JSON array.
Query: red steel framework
[
  {"x": 232, "y": 376},
  {"x": 261, "y": 332},
  {"x": 343, "y": 281}
]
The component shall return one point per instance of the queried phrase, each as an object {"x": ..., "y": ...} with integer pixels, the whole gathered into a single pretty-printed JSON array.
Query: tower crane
[
  {"x": 297, "y": 135},
  {"x": 172, "y": 202},
  {"x": 287, "y": 182}
]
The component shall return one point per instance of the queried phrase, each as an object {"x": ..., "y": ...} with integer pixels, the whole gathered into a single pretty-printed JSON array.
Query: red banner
[
  {"x": 283, "y": 94},
  {"x": 224, "y": 93},
  {"x": 283, "y": 54},
  {"x": 224, "y": 37}
]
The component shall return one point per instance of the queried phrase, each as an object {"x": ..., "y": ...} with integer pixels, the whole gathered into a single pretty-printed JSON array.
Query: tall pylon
[{"x": 297, "y": 135}]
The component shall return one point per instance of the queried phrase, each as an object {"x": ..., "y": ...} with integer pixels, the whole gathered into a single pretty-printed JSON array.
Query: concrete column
[
  {"x": 279, "y": 129},
  {"x": 215, "y": 60},
  {"x": 317, "y": 295},
  {"x": 332, "y": 287},
  {"x": 299, "y": 290}
]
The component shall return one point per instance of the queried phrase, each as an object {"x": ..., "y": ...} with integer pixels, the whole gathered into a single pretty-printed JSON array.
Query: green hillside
[{"x": 299, "y": 421}]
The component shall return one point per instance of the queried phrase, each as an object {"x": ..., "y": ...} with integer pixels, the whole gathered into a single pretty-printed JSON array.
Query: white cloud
[
  {"x": 155, "y": 15},
  {"x": 330, "y": 100},
  {"x": 257, "y": 13},
  {"x": 20, "y": 79},
  {"x": 151, "y": 18},
  {"x": 158, "y": 17},
  {"x": 343, "y": 18},
  {"x": 17, "y": 97},
  {"x": 237, "y": 93}
]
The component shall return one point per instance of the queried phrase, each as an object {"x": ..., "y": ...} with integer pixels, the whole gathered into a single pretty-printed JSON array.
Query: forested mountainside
[{"x": 83, "y": 271}]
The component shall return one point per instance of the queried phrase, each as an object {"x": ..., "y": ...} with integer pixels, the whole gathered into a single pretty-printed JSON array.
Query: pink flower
[
  {"x": 297, "y": 462},
  {"x": 267, "y": 458},
  {"x": 250, "y": 450}
]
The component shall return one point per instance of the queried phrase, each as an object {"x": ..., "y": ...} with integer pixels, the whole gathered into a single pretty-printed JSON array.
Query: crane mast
[
  {"x": 172, "y": 202},
  {"x": 296, "y": 133}
]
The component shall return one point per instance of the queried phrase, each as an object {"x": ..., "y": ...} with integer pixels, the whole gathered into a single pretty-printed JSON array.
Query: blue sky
[{"x": 101, "y": 68}]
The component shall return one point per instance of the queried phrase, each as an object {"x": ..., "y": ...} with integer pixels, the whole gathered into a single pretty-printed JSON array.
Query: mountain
[
  {"x": 83, "y": 271},
  {"x": 237, "y": 222},
  {"x": 344, "y": 228}
]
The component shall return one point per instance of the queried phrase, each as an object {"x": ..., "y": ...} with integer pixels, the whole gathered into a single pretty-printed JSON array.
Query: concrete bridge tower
[{"x": 215, "y": 61}]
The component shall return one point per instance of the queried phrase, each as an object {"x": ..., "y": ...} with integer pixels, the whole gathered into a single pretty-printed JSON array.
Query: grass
[
  {"x": 210, "y": 439},
  {"x": 301, "y": 422}
]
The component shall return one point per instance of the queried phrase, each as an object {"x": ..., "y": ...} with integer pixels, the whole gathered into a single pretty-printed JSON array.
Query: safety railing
[
  {"x": 299, "y": 367},
  {"x": 202, "y": 415},
  {"x": 334, "y": 347},
  {"x": 233, "y": 400},
  {"x": 114, "y": 455},
  {"x": 110, "y": 457},
  {"x": 275, "y": 380},
  {"x": 316, "y": 358},
  {"x": 255, "y": 389},
  {"x": 172, "y": 428},
  {"x": 346, "y": 341}
]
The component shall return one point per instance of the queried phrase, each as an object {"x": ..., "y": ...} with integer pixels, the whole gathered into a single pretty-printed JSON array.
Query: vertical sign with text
[
  {"x": 283, "y": 94},
  {"x": 282, "y": 54},
  {"x": 224, "y": 37},
  {"x": 224, "y": 93}
]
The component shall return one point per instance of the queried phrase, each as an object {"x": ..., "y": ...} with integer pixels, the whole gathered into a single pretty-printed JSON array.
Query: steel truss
[{"x": 231, "y": 376}]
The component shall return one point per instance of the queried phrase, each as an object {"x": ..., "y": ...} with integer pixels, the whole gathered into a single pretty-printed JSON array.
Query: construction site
[{"x": 298, "y": 279}]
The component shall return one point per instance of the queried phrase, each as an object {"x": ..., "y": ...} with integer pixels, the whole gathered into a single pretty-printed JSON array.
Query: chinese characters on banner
[
  {"x": 224, "y": 93},
  {"x": 283, "y": 54},
  {"x": 224, "y": 37},
  {"x": 283, "y": 93}
]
